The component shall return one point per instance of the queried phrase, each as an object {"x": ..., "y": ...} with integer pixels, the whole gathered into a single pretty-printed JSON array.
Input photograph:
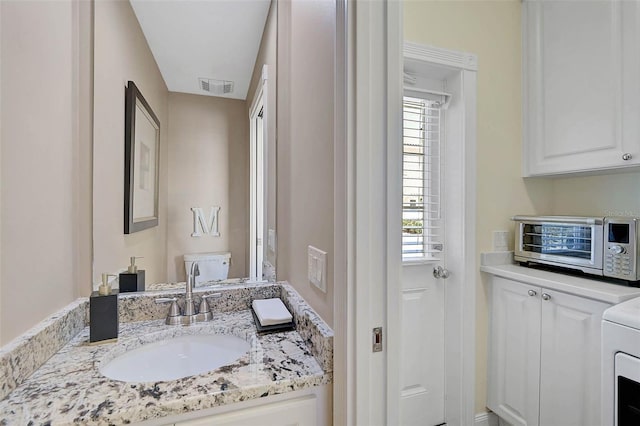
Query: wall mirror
[{"x": 207, "y": 71}]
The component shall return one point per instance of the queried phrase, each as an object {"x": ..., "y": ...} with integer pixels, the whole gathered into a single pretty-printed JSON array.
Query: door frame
[
  {"x": 257, "y": 178},
  {"x": 367, "y": 169},
  {"x": 459, "y": 173}
]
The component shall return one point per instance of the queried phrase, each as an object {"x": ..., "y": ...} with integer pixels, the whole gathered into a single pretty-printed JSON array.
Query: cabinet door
[
  {"x": 514, "y": 351},
  {"x": 581, "y": 91},
  {"x": 295, "y": 412},
  {"x": 570, "y": 360}
]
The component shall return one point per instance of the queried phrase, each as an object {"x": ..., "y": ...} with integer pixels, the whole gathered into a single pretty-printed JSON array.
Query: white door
[
  {"x": 423, "y": 248},
  {"x": 514, "y": 351},
  {"x": 570, "y": 360}
]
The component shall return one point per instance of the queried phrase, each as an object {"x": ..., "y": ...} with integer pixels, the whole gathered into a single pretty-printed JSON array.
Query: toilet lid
[{"x": 196, "y": 257}]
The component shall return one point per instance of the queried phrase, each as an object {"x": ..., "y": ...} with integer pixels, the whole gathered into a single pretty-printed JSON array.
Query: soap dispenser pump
[
  {"x": 103, "y": 312},
  {"x": 133, "y": 279}
]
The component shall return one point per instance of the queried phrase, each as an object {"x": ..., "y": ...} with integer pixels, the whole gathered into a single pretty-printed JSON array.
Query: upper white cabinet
[{"x": 581, "y": 69}]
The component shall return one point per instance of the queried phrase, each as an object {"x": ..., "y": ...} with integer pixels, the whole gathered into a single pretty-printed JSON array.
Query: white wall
[
  {"x": 43, "y": 149},
  {"x": 122, "y": 54},
  {"x": 306, "y": 60},
  {"x": 208, "y": 166},
  {"x": 491, "y": 30}
]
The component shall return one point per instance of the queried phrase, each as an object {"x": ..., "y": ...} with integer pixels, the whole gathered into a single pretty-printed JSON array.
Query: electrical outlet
[
  {"x": 317, "y": 267},
  {"x": 500, "y": 240}
]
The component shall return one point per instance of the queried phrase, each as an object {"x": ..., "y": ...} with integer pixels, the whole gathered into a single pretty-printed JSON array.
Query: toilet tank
[{"x": 213, "y": 266}]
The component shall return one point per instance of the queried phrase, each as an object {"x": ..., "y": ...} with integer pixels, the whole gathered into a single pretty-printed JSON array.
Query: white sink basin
[{"x": 175, "y": 358}]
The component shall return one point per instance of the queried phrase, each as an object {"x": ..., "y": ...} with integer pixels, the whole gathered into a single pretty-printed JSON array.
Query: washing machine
[{"x": 621, "y": 364}]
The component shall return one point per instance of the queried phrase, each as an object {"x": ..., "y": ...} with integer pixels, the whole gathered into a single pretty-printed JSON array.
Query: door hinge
[{"x": 377, "y": 339}]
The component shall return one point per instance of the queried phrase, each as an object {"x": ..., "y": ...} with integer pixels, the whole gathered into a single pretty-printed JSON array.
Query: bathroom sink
[{"x": 175, "y": 358}]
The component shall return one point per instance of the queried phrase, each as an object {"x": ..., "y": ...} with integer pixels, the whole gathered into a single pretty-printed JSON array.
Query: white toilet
[{"x": 213, "y": 266}]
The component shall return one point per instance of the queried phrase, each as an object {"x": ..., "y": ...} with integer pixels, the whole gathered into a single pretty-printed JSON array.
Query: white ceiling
[{"x": 214, "y": 39}]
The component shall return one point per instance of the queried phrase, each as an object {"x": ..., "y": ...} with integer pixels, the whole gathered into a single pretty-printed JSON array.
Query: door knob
[
  {"x": 532, "y": 293},
  {"x": 545, "y": 296},
  {"x": 440, "y": 272},
  {"x": 627, "y": 156}
]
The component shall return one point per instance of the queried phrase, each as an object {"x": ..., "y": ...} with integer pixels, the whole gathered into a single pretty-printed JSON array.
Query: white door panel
[
  {"x": 514, "y": 352},
  {"x": 570, "y": 353},
  {"x": 422, "y": 354}
]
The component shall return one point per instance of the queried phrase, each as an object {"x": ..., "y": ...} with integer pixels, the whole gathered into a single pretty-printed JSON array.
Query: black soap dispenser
[
  {"x": 103, "y": 312},
  {"x": 133, "y": 279}
]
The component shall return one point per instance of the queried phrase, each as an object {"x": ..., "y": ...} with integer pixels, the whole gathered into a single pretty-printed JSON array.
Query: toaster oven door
[{"x": 569, "y": 244}]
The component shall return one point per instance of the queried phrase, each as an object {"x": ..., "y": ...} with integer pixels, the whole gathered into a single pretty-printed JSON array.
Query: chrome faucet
[
  {"x": 189, "y": 305},
  {"x": 189, "y": 315}
]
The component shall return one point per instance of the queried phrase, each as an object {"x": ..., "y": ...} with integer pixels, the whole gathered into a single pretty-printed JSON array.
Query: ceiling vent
[{"x": 217, "y": 87}]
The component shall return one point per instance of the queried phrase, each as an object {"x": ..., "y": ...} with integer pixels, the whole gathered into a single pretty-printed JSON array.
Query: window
[{"x": 421, "y": 191}]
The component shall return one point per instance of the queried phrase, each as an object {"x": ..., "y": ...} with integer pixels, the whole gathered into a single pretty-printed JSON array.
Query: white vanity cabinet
[
  {"x": 305, "y": 407},
  {"x": 544, "y": 355},
  {"x": 298, "y": 412},
  {"x": 581, "y": 90}
]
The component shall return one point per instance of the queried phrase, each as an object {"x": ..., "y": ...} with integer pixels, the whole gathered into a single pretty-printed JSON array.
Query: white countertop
[
  {"x": 627, "y": 313},
  {"x": 592, "y": 289}
]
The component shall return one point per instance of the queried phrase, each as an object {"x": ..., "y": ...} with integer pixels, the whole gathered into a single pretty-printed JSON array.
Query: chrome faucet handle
[
  {"x": 204, "y": 305},
  {"x": 174, "y": 317},
  {"x": 205, "y": 313}
]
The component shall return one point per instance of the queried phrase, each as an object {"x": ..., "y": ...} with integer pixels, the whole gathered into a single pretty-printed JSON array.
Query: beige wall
[
  {"x": 43, "y": 158},
  {"x": 267, "y": 56},
  {"x": 491, "y": 30},
  {"x": 606, "y": 195},
  {"x": 306, "y": 58},
  {"x": 122, "y": 54},
  {"x": 208, "y": 166}
]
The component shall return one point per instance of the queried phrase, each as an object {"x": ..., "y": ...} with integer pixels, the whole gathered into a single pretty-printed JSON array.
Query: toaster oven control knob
[{"x": 616, "y": 249}]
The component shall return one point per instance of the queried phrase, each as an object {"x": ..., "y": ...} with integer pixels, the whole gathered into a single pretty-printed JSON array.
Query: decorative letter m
[{"x": 201, "y": 223}]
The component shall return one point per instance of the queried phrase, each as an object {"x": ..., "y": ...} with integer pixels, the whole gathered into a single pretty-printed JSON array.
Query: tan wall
[
  {"x": 208, "y": 166},
  {"x": 306, "y": 58},
  {"x": 491, "y": 30},
  {"x": 42, "y": 149},
  {"x": 122, "y": 54},
  {"x": 606, "y": 195},
  {"x": 267, "y": 56}
]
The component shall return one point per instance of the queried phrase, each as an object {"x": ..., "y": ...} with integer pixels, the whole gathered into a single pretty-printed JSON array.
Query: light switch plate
[{"x": 317, "y": 267}]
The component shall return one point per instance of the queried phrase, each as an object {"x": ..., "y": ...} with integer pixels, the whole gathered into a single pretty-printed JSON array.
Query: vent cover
[{"x": 217, "y": 87}]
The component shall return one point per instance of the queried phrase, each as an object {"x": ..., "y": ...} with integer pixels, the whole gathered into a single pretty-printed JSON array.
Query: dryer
[{"x": 621, "y": 364}]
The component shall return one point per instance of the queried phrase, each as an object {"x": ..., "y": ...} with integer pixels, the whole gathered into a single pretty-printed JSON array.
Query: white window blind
[{"x": 422, "y": 226}]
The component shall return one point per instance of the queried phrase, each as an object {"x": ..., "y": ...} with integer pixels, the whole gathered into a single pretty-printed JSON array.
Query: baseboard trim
[{"x": 486, "y": 419}]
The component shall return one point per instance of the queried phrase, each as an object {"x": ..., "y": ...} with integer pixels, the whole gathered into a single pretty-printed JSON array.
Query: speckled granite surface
[
  {"x": 143, "y": 307},
  {"x": 68, "y": 388},
  {"x": 25, "y": 354},
  {"x": 181, "y": 285}
]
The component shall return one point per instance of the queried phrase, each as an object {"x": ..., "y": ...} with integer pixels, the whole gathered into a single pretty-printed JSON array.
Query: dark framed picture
[{"x": 141, "y": 162}]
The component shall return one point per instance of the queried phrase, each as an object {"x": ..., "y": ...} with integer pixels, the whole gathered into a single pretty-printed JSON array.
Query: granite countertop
[
  {"x": 181, "y": 284},
  {"x": 69, "y": 389}
]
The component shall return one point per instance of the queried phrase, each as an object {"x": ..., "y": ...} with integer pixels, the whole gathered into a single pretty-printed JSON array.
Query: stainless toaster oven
[{"x": 605, "y": 246}]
